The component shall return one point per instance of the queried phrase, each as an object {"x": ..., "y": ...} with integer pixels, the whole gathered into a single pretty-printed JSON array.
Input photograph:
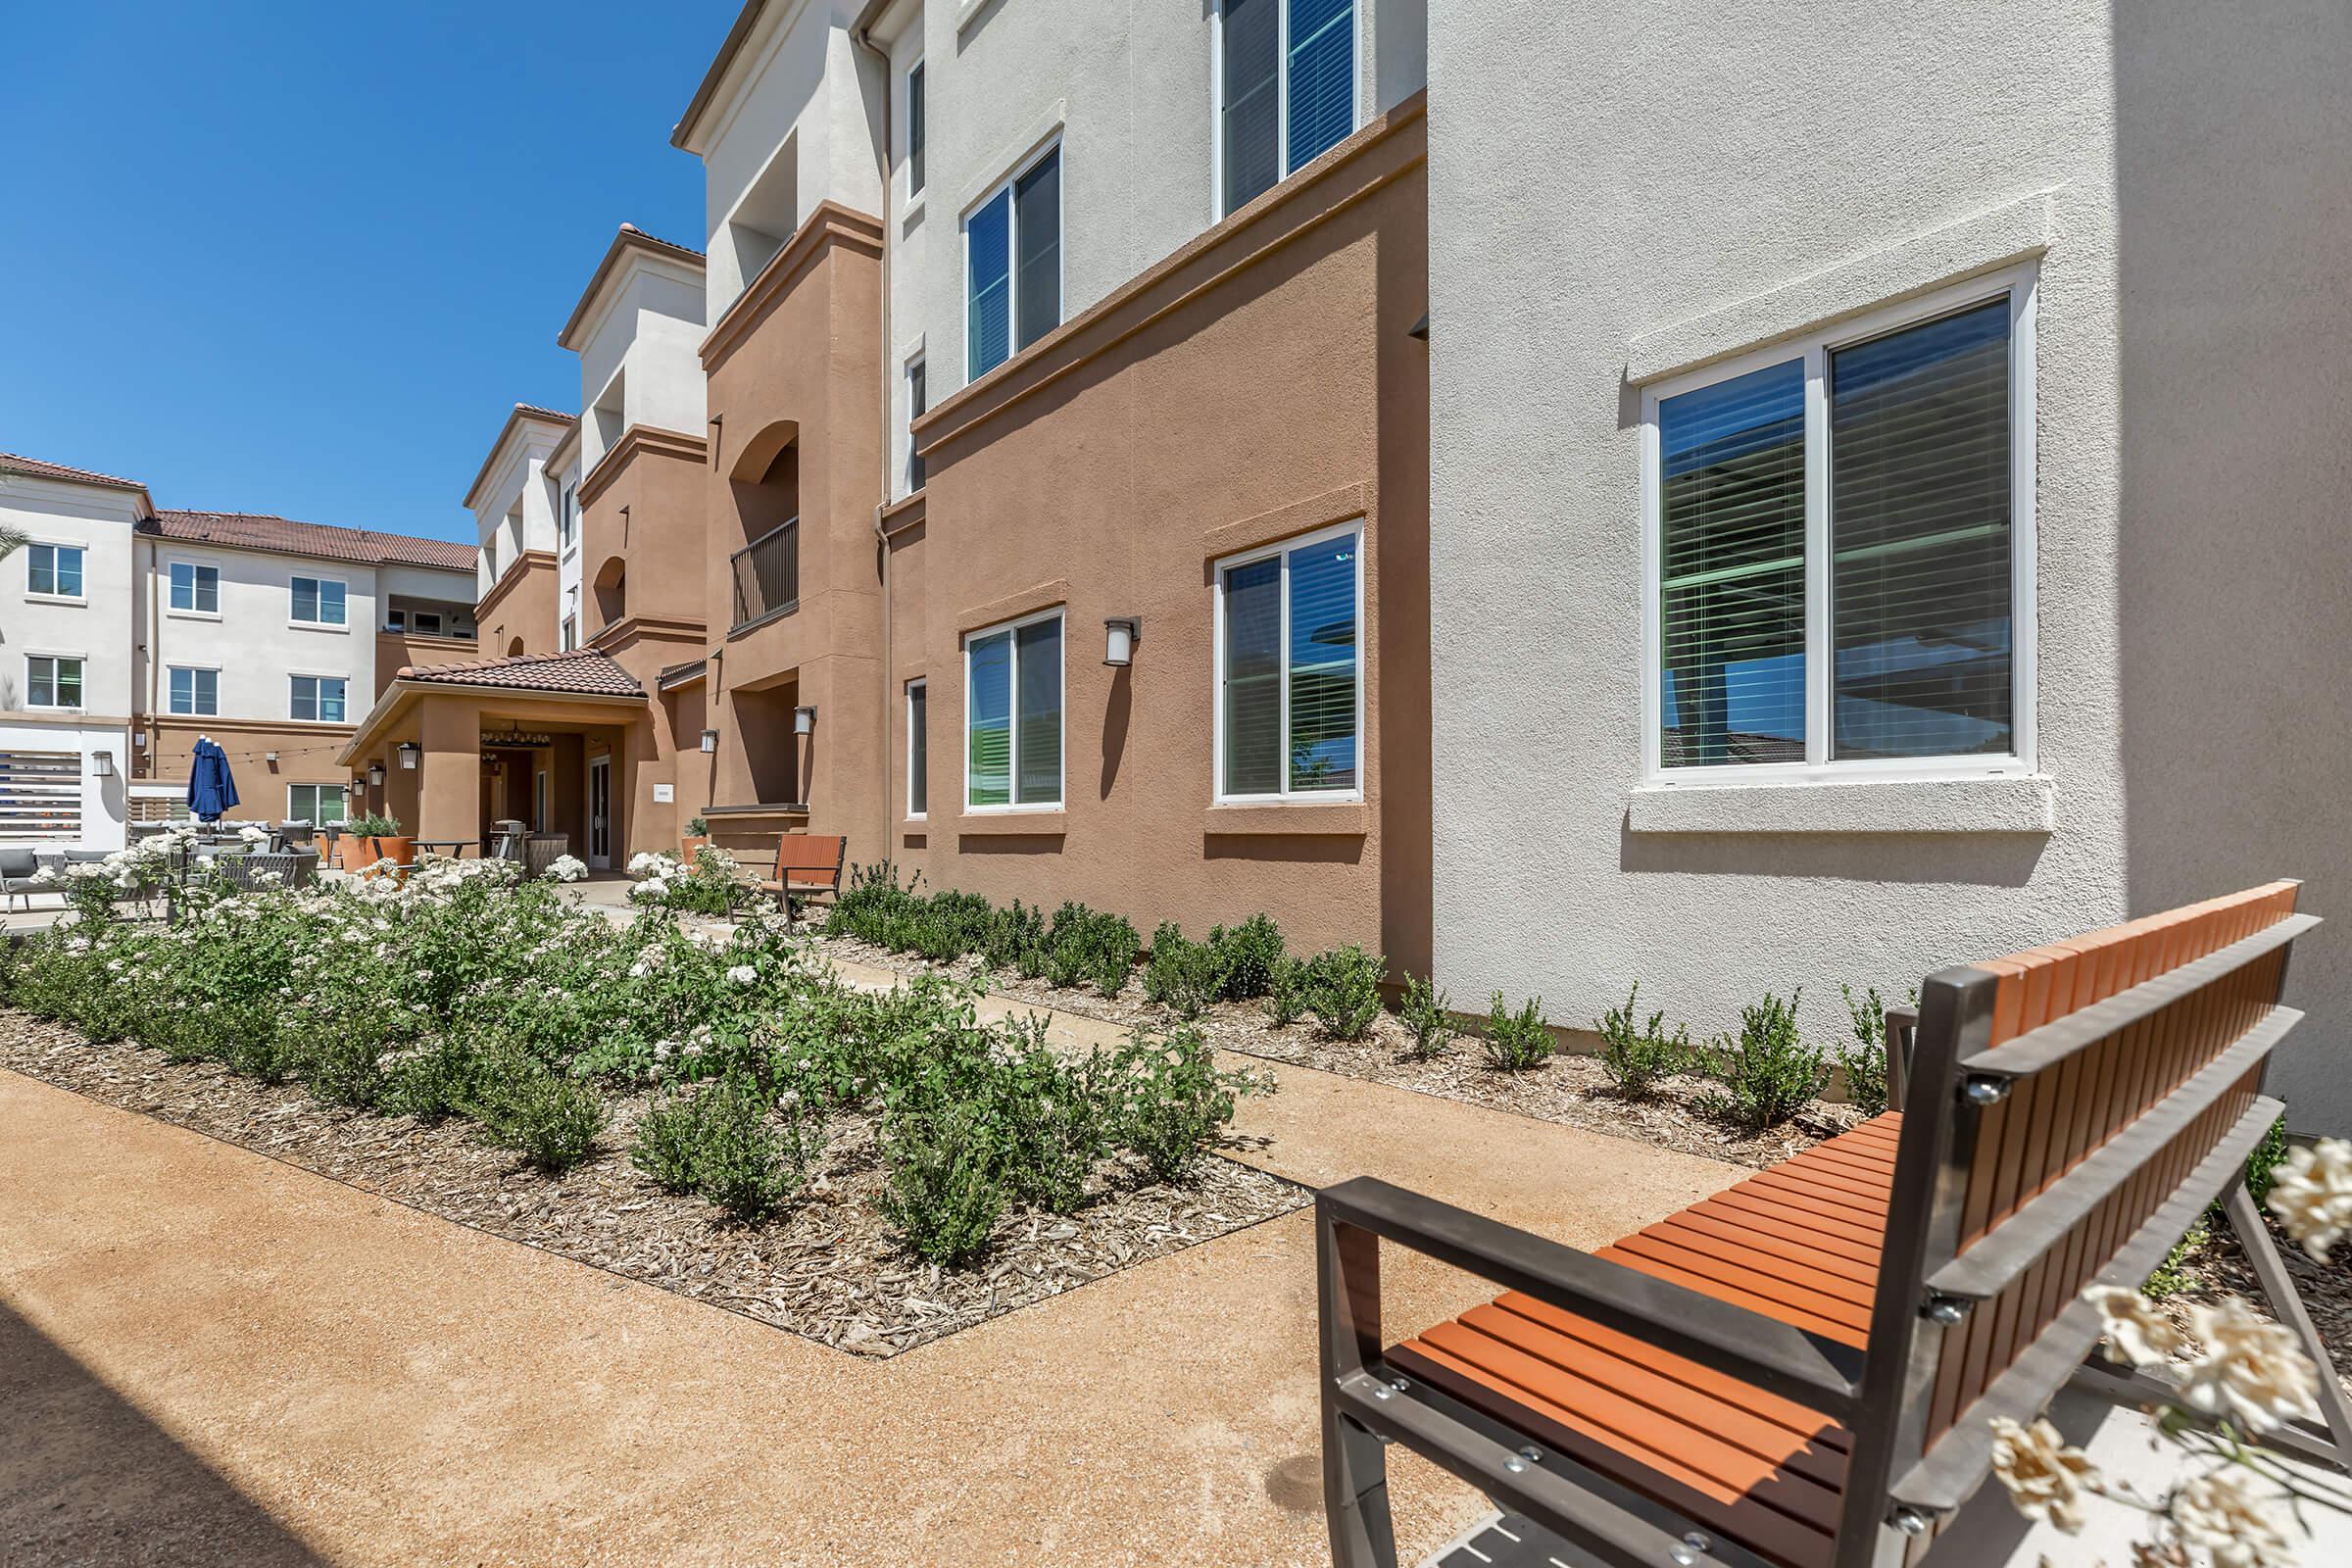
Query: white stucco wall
[
  {"x": 104, "y": 809},
  {"x": 253, "y": 641},
  {"x": 1591, "y": 225},
  {"x": 97, "y": 629},
  {"x": 514, "y": 509},
  {"x": 645, "y": 327}
]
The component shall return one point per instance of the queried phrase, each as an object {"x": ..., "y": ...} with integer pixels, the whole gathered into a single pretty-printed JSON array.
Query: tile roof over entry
[
  {"x": 35, "y": 469},
  {"x": 251, "y": 531},
  {"x": 582, "y": 672}
]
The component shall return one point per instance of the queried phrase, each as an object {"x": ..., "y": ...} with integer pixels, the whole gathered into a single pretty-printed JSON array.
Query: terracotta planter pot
[
  {"x": 401, "y": 851},
  {"x": 689, "y": 845}
]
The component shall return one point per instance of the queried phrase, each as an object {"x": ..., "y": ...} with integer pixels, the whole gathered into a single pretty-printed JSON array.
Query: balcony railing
[{"x": 767, "y": 574}]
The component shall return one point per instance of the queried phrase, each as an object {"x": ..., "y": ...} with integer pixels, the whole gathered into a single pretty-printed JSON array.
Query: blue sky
[{"x": 302, "y": 259}]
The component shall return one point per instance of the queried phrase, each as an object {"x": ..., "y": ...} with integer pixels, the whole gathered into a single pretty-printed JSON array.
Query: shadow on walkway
[{"x": 86, "y": 1479}]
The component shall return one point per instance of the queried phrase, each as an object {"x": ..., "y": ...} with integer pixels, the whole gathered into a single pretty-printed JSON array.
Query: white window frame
[
  {"x": 907, "y": 708},
  {"x": 568, "y": 518},
  {"x": 195, "y": 569},
  {"x": 318, "y": 818},
  {"x": 55, "y": 659},
  {"x": 1050, "y": 147},
  {"x": 2019, "y": 284},
  {"x": 38, "y": 596},
  {"x": 318, "y": 699},
  {"x": 194, "y": 670},
  {"x": 914, "y": 193},
  {"x": 918, "y": 361},
  {"x": 1357, "y": 58},
  {"x": 1285, "y": 796},
  {"x": 320, "y": 591},
  {"x": 1012, "y": 750}
]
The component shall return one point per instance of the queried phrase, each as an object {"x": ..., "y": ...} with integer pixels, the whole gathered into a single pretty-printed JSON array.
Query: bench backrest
[
  {"x": 815, "y": 859},
  {"x": 2069, "y": 1112}
]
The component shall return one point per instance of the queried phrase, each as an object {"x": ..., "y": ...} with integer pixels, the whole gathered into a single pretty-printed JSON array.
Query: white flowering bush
[
  {"x": 662, "y": 881},
  {"x": 468, "y": 992},
  {"x": 2236, "y": 1505},
  {"x": 568, "y": 868}
]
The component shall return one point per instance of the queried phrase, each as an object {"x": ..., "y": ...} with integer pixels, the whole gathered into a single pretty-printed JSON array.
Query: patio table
[{"x": 455, "y": 849}]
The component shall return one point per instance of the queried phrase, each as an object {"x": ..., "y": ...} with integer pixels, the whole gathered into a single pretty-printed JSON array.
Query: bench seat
[{"x": 1799, "y": 1243}]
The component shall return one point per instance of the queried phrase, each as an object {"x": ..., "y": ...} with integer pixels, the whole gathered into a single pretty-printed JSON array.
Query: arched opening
[
  {"x": 764, "y": 482},
  {"x": 612, "y": 592},
  {"x": 514, "y": 648}
]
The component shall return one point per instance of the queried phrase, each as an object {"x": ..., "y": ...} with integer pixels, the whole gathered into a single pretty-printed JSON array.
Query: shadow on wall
[
  {"x": 2234, "y": 216},
  {"x": 86, "y": 1479},
  {"x": 1981, "y": 860}
]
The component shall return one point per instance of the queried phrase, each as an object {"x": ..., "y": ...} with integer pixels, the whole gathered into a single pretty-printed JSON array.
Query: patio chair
[
  {"x": 296, "y": 832},
  {"x": 1801, "y": 1370},
  {"x": 294, "y": 868},
  {"x": 20, "y": 865}
]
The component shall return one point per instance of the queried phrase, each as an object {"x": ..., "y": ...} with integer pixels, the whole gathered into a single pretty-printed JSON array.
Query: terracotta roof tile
[
  {"x": 534, "y": 411},
  {"x": 666, "y": 244},
  {"x": 581, "y": 673},
  {"x": 35, "y": 469},
  {"x": 249, "y": 530}
]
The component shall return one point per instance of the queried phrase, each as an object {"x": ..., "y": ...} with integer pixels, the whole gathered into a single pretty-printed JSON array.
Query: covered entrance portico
[{"x": 577, "y": 751}]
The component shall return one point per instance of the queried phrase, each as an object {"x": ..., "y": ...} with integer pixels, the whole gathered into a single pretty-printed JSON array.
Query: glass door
[{"x": 600, "y": 814}]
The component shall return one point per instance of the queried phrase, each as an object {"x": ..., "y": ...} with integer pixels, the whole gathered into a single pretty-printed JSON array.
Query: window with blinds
[
  {"x": 1013, "y": 265},
  {"x": 320, "y": 601},
  {"x": 195, "y": 692},
  {"x": 1287, "y": 89},
  {"x": 918, "y": 748},
  {"x": 1880, "y": 472},
  {"x": 1288, "y": 708},
  {"x": 1012, "y": 715}
]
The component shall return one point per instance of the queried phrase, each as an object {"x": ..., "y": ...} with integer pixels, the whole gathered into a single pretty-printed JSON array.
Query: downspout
[{"x": 861, "y": 35}]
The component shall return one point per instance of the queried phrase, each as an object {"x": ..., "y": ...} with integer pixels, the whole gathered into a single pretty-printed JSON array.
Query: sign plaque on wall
[{"x": 663, "y": 793}]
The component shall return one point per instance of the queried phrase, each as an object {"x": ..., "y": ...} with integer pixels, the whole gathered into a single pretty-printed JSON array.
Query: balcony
[{"x": 767, "y": 575}]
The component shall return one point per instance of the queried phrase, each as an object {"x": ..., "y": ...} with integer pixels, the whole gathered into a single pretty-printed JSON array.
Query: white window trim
[
  {"x": 907, "y": 708},
  {"x": 911, "y": 201},
  {"x": 293, "y": 675},
  {"x": 83, "y": 660},
  {"x": 2020, "y": 284},
  {"x": 320, "y": 818},
  {"x": 298, "y": 623},
  {"x": 1360, "y": 57},
  {"x": 169, "y": 609},
  {"x": 33, "y": 595},
  {"x": 1012, "y": 750},
  {"x": 1286, "y": 796},
  {"x": 213, "y": 670},
  {"x": 1048, "y": 148}
]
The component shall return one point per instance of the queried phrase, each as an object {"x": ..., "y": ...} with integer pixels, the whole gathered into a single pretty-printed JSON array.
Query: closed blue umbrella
[{"x": 211, "y": 789}]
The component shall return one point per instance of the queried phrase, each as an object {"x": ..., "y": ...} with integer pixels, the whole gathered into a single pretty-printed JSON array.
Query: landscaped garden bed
[{"x": 714, "y": 1115}]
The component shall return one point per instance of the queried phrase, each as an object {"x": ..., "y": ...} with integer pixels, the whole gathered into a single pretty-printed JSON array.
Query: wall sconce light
[
  {"x": 709, "y": 742},
  {"x": 1119, "y": 637},
  {"x": 804, "y": 721},
  {"x": 269, "y": 757},
  {"x": 102, "y": 763},
  {"x": 375, "y": 775},
  {"x": 409, "y": 754}
]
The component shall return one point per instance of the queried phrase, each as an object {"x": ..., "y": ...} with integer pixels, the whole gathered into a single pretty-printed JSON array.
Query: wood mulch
[
  {"x": 2218, "y": 1266},
  {"x": 825, "y": 1266},
  {"x": 1570, "y": 1089}
]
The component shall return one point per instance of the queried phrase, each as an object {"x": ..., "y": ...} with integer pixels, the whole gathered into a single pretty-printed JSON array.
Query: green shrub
[
  {"x": 1176, "y": 1101},
  {"x": 1053, "y": 1120},
  {"x": 1863, "y": 1055},
  {"x": 1088, "y": 945},
  {"x": 743, "y": 1163},
  {"x": 1287, "y": 991},
  {"x": 944, "y": 1187},
  {"x": 1015, "y": 938},
  {"x": 1767, "y": 1073},
  {"x": 2174, "y": 1275},
  {"x": 1424, "y": 1010},
  {"x": 434, "y": 1081},
  {"x": 1344, "y": 992},
  {"x": 1636, "y": 1058},
  {"x": 1248, "y": 955},
  {"x": 2262, "y": 1165},
  {"x": 1515, "y": 1042},
  {"x": 666, "y": 1140},
  {"x": 1183, "y": 975},
  {"x": 551, "y": 1121}
]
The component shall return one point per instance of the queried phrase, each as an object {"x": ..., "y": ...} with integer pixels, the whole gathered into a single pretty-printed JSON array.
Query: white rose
[
  {"x": 2045, "y": 1477},
  {"x": 743, "y": 974},
  {"x": 2137, "y": 1334},
  {"x": 2234, "y": 1515},
  {"x": 2312, "y": 1195},
  {"x": 2252, "y": 1372}
]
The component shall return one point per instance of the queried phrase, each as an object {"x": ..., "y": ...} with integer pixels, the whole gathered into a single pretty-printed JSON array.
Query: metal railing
[{"x": 767, "y": 574}]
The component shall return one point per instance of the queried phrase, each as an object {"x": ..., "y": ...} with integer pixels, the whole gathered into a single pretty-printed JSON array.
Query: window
[
  {"x": 1289, "y": 699},
  {"x": 395, "y": 618},
  {"x": 425, "y": 622},
  {"x": 1013, "y": 265},
  {"x": 919, "y": 403},
  {"x": 1286, "y": 89},
  {"x": 572, "y": 632},
  {"x": 319, "y": 601},
  {"x": 1012, "y": 715},
  {"x": 915, "y": 130},
  {"x": 51, "y": 681},
  {"x": 196, "y": 588},
  {"x": 918, "y": 748},
  {"x": 195, "y": 692},
  {"x": 315, "y": 803},
  {"x": 568, "y": 517},
  {"x": 1840, "y": 538},
  {"x": 54, "y": 569},
  {"x": 320, "y": 698}
]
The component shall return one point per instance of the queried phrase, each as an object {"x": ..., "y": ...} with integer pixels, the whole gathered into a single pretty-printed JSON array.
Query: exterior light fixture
[
  {"x": 804, "y": 721},
  {"x": 1119, "y": 637},
  {"x": 269, "y": 757},
  {"x": 102, "y": 763},
  {"x": 375, "y": 774},
  {"x": 709, "y": 742},
  {"x": 410, "y": 755}
]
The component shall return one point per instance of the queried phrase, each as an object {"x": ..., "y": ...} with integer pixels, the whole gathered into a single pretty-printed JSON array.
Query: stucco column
[
  {"x": 449, "y": 787},
  {"x": 843, "y": 761}
]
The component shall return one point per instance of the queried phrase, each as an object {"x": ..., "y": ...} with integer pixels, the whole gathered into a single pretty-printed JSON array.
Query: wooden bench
[
  {"x": 1801, "y": 1370},
  {"x": 807, "y": 864}
]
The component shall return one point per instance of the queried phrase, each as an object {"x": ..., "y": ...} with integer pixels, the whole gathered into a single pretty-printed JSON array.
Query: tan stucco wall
[
  {"x": 305, "y": 754},
  {"x": 522, "y": 608},
  {"x": 656, "y": 479},
  {"x": 1261, "y": 384},
  {"x": 395, "y": 651}
]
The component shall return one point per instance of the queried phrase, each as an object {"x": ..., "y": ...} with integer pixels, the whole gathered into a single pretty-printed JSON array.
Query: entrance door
[{"x": 600, "y": 813}]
